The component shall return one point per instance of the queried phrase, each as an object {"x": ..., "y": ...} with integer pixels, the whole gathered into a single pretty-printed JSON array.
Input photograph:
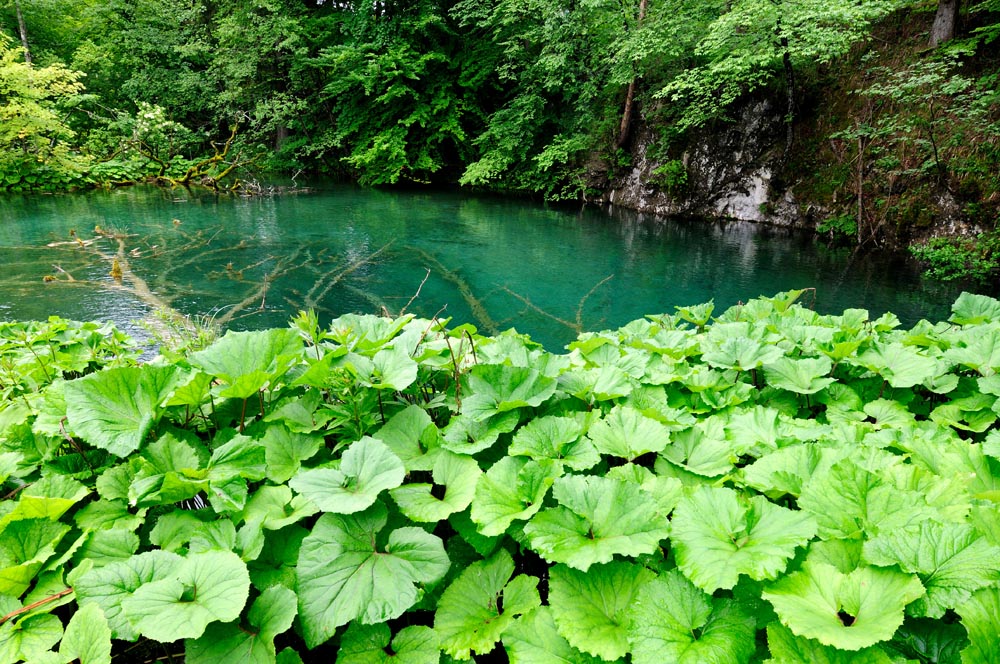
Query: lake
[{"x": 495, "y": 262}]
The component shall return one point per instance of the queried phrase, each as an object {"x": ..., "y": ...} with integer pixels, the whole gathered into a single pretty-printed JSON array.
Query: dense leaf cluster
[{"x": 771, "y": 485}]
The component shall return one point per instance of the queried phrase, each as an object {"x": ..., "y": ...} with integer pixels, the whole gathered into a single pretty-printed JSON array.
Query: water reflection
[{"x": 492, "y": 261}]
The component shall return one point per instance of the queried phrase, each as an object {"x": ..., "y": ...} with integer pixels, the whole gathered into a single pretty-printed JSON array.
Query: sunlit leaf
[{"x": 344, "y": 573}]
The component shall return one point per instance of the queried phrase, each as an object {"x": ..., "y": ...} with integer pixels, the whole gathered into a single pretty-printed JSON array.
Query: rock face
[{"x": 729, "y": 174}]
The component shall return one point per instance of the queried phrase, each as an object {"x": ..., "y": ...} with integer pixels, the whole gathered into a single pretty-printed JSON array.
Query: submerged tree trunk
[
  {"x": 626, "y": 125},
  {"x": 23, "y": 30},
  {"x": 945, "y": 22}
]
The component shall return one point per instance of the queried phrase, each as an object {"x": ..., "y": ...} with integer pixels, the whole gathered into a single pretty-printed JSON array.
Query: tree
[
  {"x": 945, "y": 22},
  {"x": 34, "y": 139},
  {"x": 747, "y": 47}
]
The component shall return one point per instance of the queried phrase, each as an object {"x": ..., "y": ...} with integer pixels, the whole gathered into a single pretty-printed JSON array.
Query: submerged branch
[
  {"x": 479, "y": 311},
  {"x": 575, "y": 325}
]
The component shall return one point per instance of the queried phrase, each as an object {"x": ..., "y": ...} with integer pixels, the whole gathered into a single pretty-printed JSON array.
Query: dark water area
[{"x": 492, "y": 261}]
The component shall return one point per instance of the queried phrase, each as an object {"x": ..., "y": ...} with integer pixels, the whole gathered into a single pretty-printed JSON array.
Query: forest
[{"x": 889, "y": 105}]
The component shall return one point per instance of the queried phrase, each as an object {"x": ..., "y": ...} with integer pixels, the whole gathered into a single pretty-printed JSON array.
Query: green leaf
[
  {"x": 285, "y": 451},
  {"x": 88, "y": 637},
  {"x": 367, "y": 468},
  {"x": 598, "y": 519},
  {"x": 972, "y": 309},
  {"x": 673, "y": 621},
  {"x": 981, "y": 619},
  {"x": 952, "y": 561},
  {"x": 413, "y": 437},
  {"x": 740, "y": 353},
  {"x": 786, "y": 470},
  {"x": 786, "y": 648},
  {"x": 626, "y": 433},
  {"x": 533, "y": 639},
  {"x": 115, "y": 409},
  {"x": 204, "y": 588},
  {"x": 802, "y": 376},
  {"x": 602, "y": 383},
  {"x": 392, "y": 369},
  {"x": 511, "y": 490},
  {"x": 271, "y": 614},
  {"x": 273, "y": 507},
  {"x": 717, "y": 536},
  {"x": 342, "y": 575},
  {"x": 899, "y": 365},
  {"x": 374, "y": 644},
  {"x": 849, "y": 501},
  {"x": 110, "y": 585},
  {"x": 497, "y": 388},
  {"x": 847, "y": 611},
  {"x": 249, "y": 361},
  {"x": 558, "y": 438},
  {"x": 476, "y": 609},
  {"x": 25, "y": 545},
  {"x": 590, "y": 607},
  {"x": 30, "y": 638},
  {"x": 467, "y": 435},
  {"x": 456, "y": 473}
]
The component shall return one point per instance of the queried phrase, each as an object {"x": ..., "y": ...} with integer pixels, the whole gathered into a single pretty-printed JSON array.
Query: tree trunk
[
  {"x": 945, "y": 21},
  {"x": 23, "y": 30},
  {"x": 626, "y": 125}
]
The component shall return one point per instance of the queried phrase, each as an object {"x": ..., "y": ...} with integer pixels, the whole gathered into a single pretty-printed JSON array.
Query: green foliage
[
  {"x": 737, "y": 494},
  {"x": 949, "y": 259},
  {"x": 36, "y": 152}
]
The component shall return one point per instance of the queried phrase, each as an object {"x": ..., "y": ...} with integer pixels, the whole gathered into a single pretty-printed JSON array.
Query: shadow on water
[{"x": 496, "y": 262}]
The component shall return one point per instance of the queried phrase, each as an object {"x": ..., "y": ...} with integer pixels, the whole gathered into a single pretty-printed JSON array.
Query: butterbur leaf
[
  {"x": 802, "y": 376},
  {"x": 273, "y": 507},
  {"x": 558, "y": 438},
  {"x": 271, "y": 614},
  {"x": 590, "y": 607},
  {"x": 673, "y": 621},
  {"x": 374, "y": 644},
  {"x": 849, "y": 500},
  {"x": 899, "y": 365},
  {"x": 88, "y": 637},
  {"x": 467, "y": 435},
  {"x": 929, "y": 640},
  {"x": 786, "y": 470},
  {"x": 972, "y": 309},
  {"x": 741, "y": 353},
  {"x": 534, "y": 639},
  {"x": 284, "y": 451},
  {"x": 497, "y": 388},
  {"x": 981, "y": 619},
  {"x": 952, "y": 561},
  {"x": 847, "y": 611},
  {"x": 717, "y": 536},
  {"x": 413, "y": 437},
  {"x": 246, "y": 362},
  {"x": 596, "y": 384},
  {"x": 25, "y": 545},
  {"x": 598, "y": 518},
  {"x": 367, "y": 468},
  {"x": 626, "y": 433},
  {"x": 110, "y": 585},
  {"x": 511, "y": 490},
  {"x": 115, "y": 409},
  {"x": 787, "y": 648},
  {"x": 480, "y": 604},
  {"x": 204, "y": 588},
  {"x": 456, "y": 474},
  {"x": 392, "y": 369},
  {"x": 30, "y": 638},
  {"x": 342, "y": 575}
]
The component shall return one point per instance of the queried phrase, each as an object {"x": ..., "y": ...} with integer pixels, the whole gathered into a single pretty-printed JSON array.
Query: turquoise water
[{"x": 495, "y": 262}]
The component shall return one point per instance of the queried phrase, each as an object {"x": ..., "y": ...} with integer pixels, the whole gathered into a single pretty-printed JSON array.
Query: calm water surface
[{"x": 495, "y": 262}]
